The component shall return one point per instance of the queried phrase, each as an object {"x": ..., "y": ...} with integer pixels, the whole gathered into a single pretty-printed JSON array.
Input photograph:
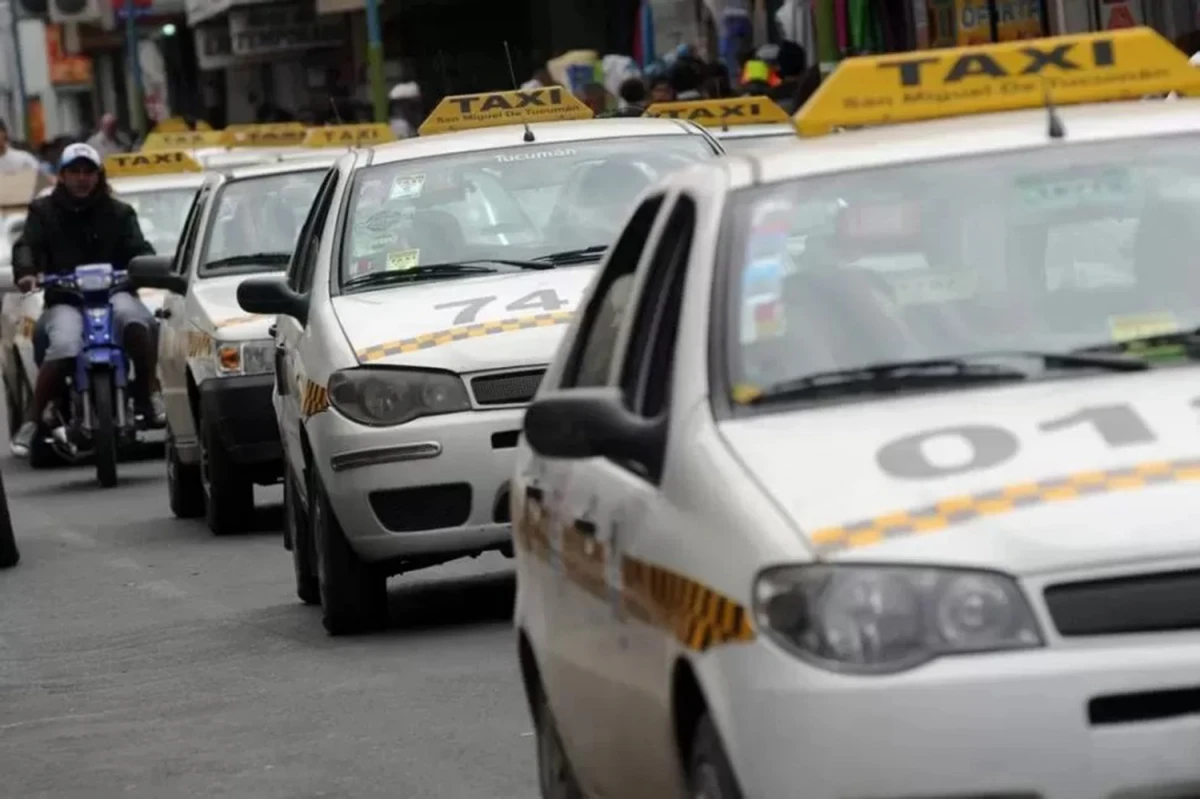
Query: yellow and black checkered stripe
[
  {"x": 1007, "y": 499},
  {"x": 461, "y": 333},
  {"x": 314, "y": 398},
  {"x": 199, "y": 344},
  {"x": 696, "y": 615}
]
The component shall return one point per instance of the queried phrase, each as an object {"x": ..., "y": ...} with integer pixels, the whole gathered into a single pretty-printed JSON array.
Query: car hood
[
  {"x": 219, "y": 312},
  {"x": 1061, "y": 474},
  {"x": 465, "y": 324}
]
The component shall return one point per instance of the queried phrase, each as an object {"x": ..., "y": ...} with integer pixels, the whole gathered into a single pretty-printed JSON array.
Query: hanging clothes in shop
[{"x": 866, "y": 35}]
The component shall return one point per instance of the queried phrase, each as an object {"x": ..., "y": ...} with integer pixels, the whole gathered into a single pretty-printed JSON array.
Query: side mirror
[
  {"x": 154, "y": 272},
  {"x": 594, "y": 423},
  {"x": 272, "y": 296}
]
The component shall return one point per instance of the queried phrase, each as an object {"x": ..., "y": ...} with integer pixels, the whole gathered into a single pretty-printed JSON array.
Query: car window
[
  {"x": 255, "y": 221},
  {"x": 161, "y": 214},
  {"x": 191, "y": 230},
  {"x": 523, "y": 202},
  {"x": 1022, "y": 251}
]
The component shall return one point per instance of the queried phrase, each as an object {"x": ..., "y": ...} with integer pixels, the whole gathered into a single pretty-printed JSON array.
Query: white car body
[
  {"x": 382, "y": 482},
  {"x": 635, "y": 596},
  {"x": 737, "y": 139}
]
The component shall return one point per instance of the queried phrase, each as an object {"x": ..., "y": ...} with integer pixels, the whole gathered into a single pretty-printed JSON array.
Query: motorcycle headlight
[
  {"x": 886, "y": 619},
  {"x": 386, "y": 397},
  {"x": 246, "y": 358},
  {"x": 94, "y": 281}
]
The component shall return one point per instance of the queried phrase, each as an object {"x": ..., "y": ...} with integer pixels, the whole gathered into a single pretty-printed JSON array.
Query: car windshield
[
  {"x": 256, "y": 221},
  {"x": 161, "y": 214},
  {"x": 525, "y": 202},
  {"x": 1050, "y": 250}
]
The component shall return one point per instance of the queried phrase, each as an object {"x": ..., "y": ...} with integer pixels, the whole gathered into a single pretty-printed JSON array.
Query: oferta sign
[{"x": 1085, "y": 68}]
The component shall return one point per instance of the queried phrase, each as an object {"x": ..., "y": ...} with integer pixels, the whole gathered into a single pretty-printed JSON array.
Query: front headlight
[
  {"x": 246, "y": 358},
  {"x": 383, "y": 397},
  {"x": 94, "y": 281},
  {"x": 885, "y": 619}
]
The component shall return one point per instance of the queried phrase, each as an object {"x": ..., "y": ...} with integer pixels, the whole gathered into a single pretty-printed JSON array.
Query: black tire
[
  {"x": 709, "y": 773},
  {"x": 295, "y": 526},
  {"x": 229, "y": 494},
  {"x": 15, "y": 413},
  {"x": 9, "y": 556},
  {"x": 353, "y": 595},
  {"x": 104, "y": 432},
  {"x": 556, "y": 778},
  {"x": 185, "y": 489},
  {"x": 42, "y": 454}
]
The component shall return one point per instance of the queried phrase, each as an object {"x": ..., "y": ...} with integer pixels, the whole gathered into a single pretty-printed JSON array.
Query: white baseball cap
[{"x": 75, "y": 152}]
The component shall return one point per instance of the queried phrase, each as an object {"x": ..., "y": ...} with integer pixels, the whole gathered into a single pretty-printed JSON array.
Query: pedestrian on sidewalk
[
  {"x": 108, "y": 140},
  {"x": 13, "y": 160}
]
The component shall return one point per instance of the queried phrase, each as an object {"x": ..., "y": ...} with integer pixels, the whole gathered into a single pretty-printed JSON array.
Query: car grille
[
  {"x": 1139, "y": 604},
  {"x": 509, "y": 388}
]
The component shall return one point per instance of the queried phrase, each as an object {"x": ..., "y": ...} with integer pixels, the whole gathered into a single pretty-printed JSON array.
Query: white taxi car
[
  {"x": 216, "y": 362},
  {"x": 739, "y": 123},
  {"x": 160, "y": 185},
  {"x": 868, "y": 467},
  {"x": 428, "y": 291}
]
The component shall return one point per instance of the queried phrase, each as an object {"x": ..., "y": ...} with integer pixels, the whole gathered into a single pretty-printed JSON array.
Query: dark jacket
[{"x": 62, "y": 232}]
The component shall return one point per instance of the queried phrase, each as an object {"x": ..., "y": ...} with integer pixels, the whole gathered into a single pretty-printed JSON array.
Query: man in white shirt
[
  {"x": 13, "y": 160},
  {"x": 108, "y": 139}
]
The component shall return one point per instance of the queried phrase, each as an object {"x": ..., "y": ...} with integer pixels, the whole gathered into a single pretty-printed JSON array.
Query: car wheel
[
  {"x": 556, "y": 779},
  {"x": 710, "y": 776},
  {"x": 353, "y": 595},
  {"x": 185, "y": 489},
  {"x": 228, "y": 493},
  {"x": 308, "y": 586}
]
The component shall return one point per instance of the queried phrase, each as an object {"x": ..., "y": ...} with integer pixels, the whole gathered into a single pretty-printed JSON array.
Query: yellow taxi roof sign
[
  {"x": 723, "y": 112},
  {"x": 491, "y": 109},
  {"x": 280, "y": 134},
  {"x": 185, "y": 140},
  {"x": 178, "y": 125},
  {"x": 931, "y": 84},
  {"x": 155, "y": 162},
  {"x": 348, "y": 135}
]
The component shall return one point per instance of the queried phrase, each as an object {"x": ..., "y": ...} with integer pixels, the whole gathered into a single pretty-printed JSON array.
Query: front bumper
[
  {"x": 245, "y": 418},
  {"x": 1036, "y": 724},
  {"x": 434, "y": 486}
]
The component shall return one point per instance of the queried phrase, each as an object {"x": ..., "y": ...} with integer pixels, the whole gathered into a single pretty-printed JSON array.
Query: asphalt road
[{"x": 142, "y": 657}]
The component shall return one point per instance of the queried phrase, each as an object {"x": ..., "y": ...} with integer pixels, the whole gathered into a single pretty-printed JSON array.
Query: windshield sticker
[
  {"x": 535, "y": 156},
  {"x": 407, "y": 187},
  {"x": 932, "y": 288},
  {"x": 403, "y": 260},
  {"x": 383, "y": 221},
  {"x": 1127, "y": 328},
  {"x": 1111, "y": 187},
  {"x": 767, "y": 257}
]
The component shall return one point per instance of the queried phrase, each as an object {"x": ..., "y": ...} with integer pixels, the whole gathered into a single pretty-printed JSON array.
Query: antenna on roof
[
  {"x": 1056, "y": 128},
  {"x": 512, "y": 73}
]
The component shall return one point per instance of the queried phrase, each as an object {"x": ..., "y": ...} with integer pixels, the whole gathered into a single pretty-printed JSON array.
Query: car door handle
[
  {"x": 162, "y": 313},
  {"x": 272, "y": 330},
  {"x": 585, "y": 527}
]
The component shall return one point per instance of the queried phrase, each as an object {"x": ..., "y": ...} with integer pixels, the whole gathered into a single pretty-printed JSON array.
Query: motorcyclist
[{"x": 79, "y": 223}]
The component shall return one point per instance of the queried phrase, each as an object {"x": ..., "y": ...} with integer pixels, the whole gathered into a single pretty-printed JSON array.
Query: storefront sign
[
  {"x": 214, "y": 48},
  {"x": 65, "y": 68},
  {"x": 1015, "y": 19},
  {"x": 266, "y": 30},
  {"x": 1116, "y": 14}
]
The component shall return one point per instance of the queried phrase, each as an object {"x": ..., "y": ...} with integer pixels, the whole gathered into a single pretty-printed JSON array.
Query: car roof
[
  {"x": 492, "y": 138},
  {"x": 974, "y": 134},
  {"x": 769, "y": 130},
  {"x": 319, "y": 161}
]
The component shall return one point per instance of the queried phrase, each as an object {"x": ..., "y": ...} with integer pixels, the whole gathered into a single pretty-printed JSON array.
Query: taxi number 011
[
  {"x": 990, "y": 446},
  {"x": 545, "y": 300}
]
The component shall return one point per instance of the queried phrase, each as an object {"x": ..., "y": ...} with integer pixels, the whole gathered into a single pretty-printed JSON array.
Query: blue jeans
[{"x": 58, "y": 334}]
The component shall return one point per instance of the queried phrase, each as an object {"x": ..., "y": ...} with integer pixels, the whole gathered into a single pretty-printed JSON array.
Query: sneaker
[
  {"x": 154, "y": 412},
  {"x": 22, "y": 442}
]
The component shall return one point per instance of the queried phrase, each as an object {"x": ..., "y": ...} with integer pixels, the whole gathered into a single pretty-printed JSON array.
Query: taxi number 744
[{"x": 545, "y": 300}]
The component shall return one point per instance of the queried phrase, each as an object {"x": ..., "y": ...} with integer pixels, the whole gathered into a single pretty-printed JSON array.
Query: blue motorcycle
[{"x": 93, "y": 414}]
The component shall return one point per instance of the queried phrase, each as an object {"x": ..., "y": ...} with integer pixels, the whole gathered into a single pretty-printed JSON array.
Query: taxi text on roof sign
[
  {"x": 471, "y": 111},
  {"x": 348, "y": 135},
  {"x": 283, "y": 134},
  {"x": 156, "y": 162},
  {"x": 185, "y": 140},
  {"x": 1086, "y": 68},
  {"x": 722, "y": 113}
]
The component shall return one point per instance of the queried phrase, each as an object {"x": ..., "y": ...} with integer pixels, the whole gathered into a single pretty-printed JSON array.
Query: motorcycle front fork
[{"x": 86, "y": 421}]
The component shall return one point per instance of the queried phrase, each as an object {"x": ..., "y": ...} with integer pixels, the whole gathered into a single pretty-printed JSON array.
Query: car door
[
  {"x": 573, "y": 599},
  {"x": 174, "y": 326},
  {"x": 288, "y": 330},
  {"x": 630, "y": 512}
]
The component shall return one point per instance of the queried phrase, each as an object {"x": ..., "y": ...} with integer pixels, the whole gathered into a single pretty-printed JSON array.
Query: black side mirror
[
  {"x": 594, "y": 423},
  {"x": 154, "y": 272},
  {"x": 272, "y": 296}
]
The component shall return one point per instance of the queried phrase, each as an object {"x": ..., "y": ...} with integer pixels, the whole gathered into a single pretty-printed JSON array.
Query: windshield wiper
[
  {"x": 1189, "y": 340},
  {"x": 429, "y": 272},
  {"x": 251, "y": 259},
  {"x": 931, "y": 372},
  {"x": 583, "y": 254}
]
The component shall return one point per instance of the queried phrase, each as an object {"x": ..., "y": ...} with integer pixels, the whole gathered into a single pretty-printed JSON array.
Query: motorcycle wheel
[
  {"x": 8, "y": 542},
  {"x": 104, "y": 435}
]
